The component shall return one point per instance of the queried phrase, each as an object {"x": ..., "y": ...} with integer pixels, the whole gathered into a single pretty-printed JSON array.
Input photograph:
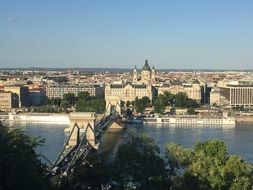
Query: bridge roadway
[{"x": 69, "y": 155}]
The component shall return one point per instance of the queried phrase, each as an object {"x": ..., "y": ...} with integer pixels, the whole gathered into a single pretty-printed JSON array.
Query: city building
[
  {"x": 22, "y": 94},
  {"x": 37, "y": 97},
  {"x": 193, "y": 90},
  {"x": 215, "y": 97},
  {"x": 147, "y": 75},
  {"x": 57, "y": 91},
  {"x": 240, "y": 95},
  {"x": 8, "y": 100},
  {"x": 128, "y": 91},
  {"x": 235, "y": 94}
]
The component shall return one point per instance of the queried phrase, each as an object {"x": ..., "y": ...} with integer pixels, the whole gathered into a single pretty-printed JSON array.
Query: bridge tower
[
  {"x": 113, "y": 103},
  {"x": 86, "y": 123}
]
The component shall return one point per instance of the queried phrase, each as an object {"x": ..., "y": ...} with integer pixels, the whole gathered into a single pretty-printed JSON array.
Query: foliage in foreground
[
  {"x": 20, "y": 166},
  {"x": 208, "y": 166},
  {"x": 138, "y": 165}
]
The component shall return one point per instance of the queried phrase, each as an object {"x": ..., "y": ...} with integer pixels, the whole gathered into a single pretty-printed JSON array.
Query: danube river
[{"x": 239, "y": 139}]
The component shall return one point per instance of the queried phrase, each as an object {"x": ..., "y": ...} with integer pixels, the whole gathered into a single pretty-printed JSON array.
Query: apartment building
[
  {"x": 8, "y": 100},
  {"x": 22, "y": 94},
  {"x": 57, "y": 91}
]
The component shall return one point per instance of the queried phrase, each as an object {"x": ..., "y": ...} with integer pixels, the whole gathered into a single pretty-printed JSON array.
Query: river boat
[
  {"x": 40, "y": 118},
  {"x": 189, "y": 119},
  {"x": 134, "y": 120}
]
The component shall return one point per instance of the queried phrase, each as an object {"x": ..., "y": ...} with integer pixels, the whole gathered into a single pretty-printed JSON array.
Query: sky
[{"x": 171, "y": 34}]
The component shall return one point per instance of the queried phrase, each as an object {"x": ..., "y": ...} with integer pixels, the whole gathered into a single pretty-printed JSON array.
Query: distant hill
[{"x": 116, "y": 69}]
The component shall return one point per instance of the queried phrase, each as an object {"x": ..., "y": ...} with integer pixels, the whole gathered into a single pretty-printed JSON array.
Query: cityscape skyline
[{"x": 116, "y": 34}]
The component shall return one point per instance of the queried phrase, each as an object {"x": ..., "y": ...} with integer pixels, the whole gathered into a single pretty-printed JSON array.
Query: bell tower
[
  {"x": 146, "y": 73},
  {"x": 135, "y": 77},
  {"x": 153, "y": 74}
]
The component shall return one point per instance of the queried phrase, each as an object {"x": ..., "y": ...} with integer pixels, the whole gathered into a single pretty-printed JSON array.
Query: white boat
[
  {"x": 135, "y": 120},
  {"x": 40, "y": 118},
  {"x": 189, "y": 119}
]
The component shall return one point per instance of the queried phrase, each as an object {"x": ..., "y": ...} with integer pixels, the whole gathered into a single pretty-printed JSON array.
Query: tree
[
  {"x": 208, "y": 166},
  {"x": 83, "y": 96},
  {"x": 128, "y": 103},
  {"x": 91, "y": 174},
  {"x": 138, "y": 164},
  {"x": 70, "y": 99},
  {"x": 191, "y": 111},
  {"x": 92, "y": 104},
  {"x": 122, "y": 104},
  {"x": 237, "y": 173},
  {"x": 159, "y": 106},
  {"x": 20, "y": 165},
  {"x": 142, "y": 104},
  {"x": 65, "y": 104},
  {"x": 180, "y": 99},
  {"x": 213, "y": 148},
  {"x": 168, "y": 98}
]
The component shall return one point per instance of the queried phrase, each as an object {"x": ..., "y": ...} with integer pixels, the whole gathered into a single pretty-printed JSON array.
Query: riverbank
[
  {"x": 40, "y": 118},
  {"x": 245, "y": 119}
]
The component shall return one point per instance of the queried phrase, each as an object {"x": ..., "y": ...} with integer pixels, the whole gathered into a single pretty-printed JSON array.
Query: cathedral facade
[
  {"x": 146, "y": 76},
  {"x": 140, "y": 87}
]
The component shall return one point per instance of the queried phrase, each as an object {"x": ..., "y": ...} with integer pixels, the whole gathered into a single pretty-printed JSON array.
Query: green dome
[{"x": 146, "y": 66}]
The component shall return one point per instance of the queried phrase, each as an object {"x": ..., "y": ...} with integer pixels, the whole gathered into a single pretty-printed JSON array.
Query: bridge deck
[{"x": 69, "y": 155}]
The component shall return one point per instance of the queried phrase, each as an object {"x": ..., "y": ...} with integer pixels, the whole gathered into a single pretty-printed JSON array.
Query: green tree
[
  {"x": 91, "y": 105},
  {"x": 91, "y": 174},
  {"x": 83, "y": 96},
  {"x": 191, "y": 111},
  {"x": 159, "y": 106},
  {"x": 168, "y": 98},
  {"x": 180, "y": 99},
  {"x": 20, "y": 165},
  {"x": 142, "y": 104},
  {"x": 137, "y": 162},
  {"x": 213, "y": 148},
  {"x": 237, "y": 173},
  {"x": 70, "y": 98},
  {"x": 65, "y": 104},
  {"x": 122, "y": 103},
  {"x": 128, "y": 103},
  {"x": 55, "y": 101},
  {"x": 208, "y": 166}
]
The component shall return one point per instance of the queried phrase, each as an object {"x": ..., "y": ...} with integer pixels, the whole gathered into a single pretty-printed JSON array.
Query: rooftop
[{"x": 146, "y": 66}]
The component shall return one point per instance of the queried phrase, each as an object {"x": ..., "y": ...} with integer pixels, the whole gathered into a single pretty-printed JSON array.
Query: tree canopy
[
  {"x": 138, "y": 164},
  {"x": 87, "y": 103},
  {"x": 208, "y": 166},
  {"x": 180, "y": 99},
  {"x": 141, "y": 104},
  {"x": 20, "y": 166}
]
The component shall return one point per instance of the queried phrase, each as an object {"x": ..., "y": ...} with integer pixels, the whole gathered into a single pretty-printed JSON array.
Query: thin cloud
[
  {"x": 15, "y": 19},
  {"x": 40, "y": 44}
]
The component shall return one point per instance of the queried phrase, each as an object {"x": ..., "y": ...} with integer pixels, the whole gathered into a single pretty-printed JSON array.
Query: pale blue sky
[{"x": 178, "y": 34}]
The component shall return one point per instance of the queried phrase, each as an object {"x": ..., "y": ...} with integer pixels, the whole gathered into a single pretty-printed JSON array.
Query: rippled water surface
[{"x": 239, "y": 139}]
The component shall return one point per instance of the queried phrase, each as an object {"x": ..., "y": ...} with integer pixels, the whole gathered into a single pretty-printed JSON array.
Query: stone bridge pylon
[{"x": 86, "y": 123}]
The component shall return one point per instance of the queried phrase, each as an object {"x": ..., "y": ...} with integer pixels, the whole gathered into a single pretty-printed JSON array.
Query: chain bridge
[{"x": 86, "y": 132}]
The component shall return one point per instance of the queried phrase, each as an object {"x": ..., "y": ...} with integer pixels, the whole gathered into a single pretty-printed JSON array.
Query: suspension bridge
[{"x": 86, "y": 133}]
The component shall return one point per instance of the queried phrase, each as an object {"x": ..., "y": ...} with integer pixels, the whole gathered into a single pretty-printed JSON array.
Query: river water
[{"x": 239, "y": 139}]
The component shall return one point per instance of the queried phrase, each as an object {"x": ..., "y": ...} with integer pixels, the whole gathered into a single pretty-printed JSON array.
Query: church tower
[
  {"x": 135, "y": 77},
  {"x": 146, "y": 73},
  {"x": 153, "y": 74}
]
